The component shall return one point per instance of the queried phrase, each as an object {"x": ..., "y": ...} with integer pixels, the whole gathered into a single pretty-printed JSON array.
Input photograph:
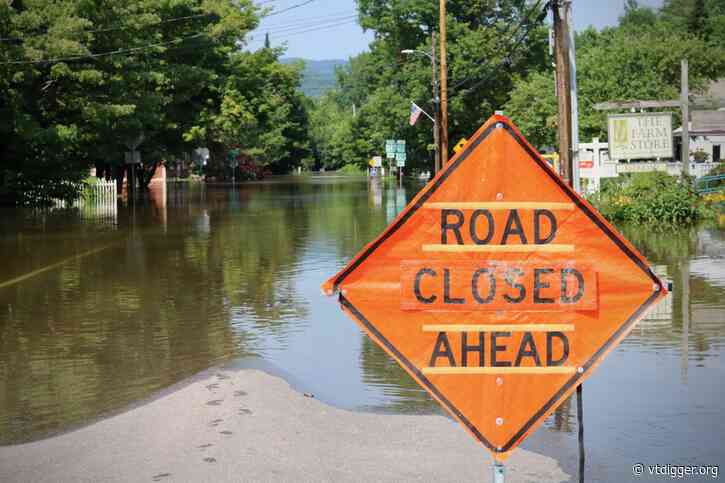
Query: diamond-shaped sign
[{"x": 498, "y": 288}]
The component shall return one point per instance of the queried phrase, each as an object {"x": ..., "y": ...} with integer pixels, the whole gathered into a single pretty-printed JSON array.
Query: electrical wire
[
  {"x": 308, "y": 29},
  {"x": 315, "y": 18},
  {"x": 103, "y": 54},
  {"x": 510, "y": 54},
  {"x": 111, "y": 29},
  {"x": 321, "y": 23},
  {"x": 287, "y": 9}
]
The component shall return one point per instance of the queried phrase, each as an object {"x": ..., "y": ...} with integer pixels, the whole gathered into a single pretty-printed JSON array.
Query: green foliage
[
  {"x": 718, "y": 169},
  {"x": 351, "y": 170},
  {"x": 655, "y": 199},
  {"x": 636, "y": 16},
  {"x": 486, "y": 51},
  {"x": 622, "y": 63},
  {"x": 700, "y": 156},
  {"x": 80, "y": 80}
]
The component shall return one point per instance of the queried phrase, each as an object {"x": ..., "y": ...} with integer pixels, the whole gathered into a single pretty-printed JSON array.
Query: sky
[{"x": 328, "y": 29}]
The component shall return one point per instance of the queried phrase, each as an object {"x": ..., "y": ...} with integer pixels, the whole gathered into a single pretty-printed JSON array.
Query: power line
[
  {"x": 322, "y": 23},
  {"x": 343, "y": 13},
  {"x": 291, "y": 7},
  {"x": 103, "y": 54},
  {"x": 508, "y": 57},
  {"x": 111, "y": 29},
  {"x": 318, "y": 29}
]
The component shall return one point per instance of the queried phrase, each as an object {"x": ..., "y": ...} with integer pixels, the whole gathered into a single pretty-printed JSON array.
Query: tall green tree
[
  {"x": 618, "y": 63},
  {"x": 489, "y": 44},
  {"x": 82, "y": 80}
]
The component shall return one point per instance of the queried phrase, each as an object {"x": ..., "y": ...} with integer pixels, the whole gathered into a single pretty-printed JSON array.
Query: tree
[
  {"x": 615, "y": 64},
  {"x": 698, "y": 21},
  {"x": 81, "y": 79},
  {"x": 259, "y": 111},
  {"x": 488, "y": 46},
  {"x": 637, "y": 17}
]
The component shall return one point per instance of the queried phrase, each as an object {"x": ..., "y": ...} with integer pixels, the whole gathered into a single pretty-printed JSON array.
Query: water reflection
[{"x": 194, "y": 276}]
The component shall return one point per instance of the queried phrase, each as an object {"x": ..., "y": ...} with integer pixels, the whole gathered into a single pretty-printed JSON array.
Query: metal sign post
[{"x": 499, "y": 472}]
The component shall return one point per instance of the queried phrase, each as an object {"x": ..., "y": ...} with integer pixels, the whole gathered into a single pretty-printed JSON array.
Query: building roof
[{"x": 705, "y": 123}]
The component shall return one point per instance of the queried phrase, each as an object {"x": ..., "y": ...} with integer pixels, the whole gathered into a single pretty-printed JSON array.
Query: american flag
[{"x": 415, "y": 112}]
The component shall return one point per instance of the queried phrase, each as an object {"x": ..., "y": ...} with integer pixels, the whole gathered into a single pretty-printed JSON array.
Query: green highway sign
[
  {"x": 390, "y": 148},
  {"x": 400, "y": 159},
  {"x": 400, "y": 146}
]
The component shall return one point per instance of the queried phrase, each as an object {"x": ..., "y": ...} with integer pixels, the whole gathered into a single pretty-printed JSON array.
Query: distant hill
[{"x": 318, "y": 76}]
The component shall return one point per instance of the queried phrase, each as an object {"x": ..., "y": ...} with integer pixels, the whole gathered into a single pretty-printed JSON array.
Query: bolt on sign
[
  {"x": 498, "y": 288},
  {"x": 640, "y": 136}
]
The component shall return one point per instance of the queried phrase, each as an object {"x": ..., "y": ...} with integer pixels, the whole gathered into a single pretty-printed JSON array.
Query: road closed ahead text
[{"x": 458, "y": 275}]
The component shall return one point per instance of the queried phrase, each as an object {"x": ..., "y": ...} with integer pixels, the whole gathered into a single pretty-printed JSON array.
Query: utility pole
[
  {"x": 576, "y": 178},
  {"x": 444, "y": 86},
  {"x": 436, "y": 105},
  {"x": 685, "y": 100},
  {"x": 563, "y": 89}
]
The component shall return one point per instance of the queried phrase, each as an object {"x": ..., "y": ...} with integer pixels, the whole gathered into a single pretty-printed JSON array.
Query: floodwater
[{"x": 102, "y": 309}]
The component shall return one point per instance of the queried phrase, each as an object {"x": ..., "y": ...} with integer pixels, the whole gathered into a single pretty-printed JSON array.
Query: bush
[
  {"x": 351, "y": 170},
  {"x": 651, "y": 198}
]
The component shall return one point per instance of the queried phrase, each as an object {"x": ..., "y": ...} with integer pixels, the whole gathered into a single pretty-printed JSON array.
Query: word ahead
[{"x": 500, "y": 349}]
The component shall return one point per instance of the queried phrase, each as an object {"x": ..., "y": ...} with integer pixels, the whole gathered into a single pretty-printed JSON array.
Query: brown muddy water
[{"x": 102, "y": 309}]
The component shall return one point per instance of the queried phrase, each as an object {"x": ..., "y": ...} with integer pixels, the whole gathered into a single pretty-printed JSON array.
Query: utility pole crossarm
[
  {"x": 614, "y": 105},
  {"x": 703, "y": 103}
]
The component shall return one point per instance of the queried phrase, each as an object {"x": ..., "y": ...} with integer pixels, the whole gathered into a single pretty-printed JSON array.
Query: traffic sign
[
  {"x": 498, "y": 288},
  {"x": 400, "y": 146},
  {"x": 390, "y": 148},
  {"x": 400, "y": 159},
  {"x": 461, "y": 144}
]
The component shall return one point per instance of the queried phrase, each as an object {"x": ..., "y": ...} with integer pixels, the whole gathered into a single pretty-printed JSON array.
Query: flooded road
[{"x": 102, "y": 309}]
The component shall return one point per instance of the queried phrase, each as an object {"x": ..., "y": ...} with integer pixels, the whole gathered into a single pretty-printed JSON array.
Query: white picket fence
[
  {"x": 98, "y": 200},
  {"x": 103, "y": 192},
  {"x": 594, "y": 164}
]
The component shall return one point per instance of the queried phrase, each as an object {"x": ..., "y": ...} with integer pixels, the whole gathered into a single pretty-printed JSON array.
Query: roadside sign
[
  {"x": 377, "y": 161},
  {"x": 400, "y": 146},
  {"x": 390, "y": 148},
  {"x": 498, "y": 288},
  {"x": 400, "y": 159},
  {"x": 460, "y": 145},
  {"x": 640, "y": 136}
]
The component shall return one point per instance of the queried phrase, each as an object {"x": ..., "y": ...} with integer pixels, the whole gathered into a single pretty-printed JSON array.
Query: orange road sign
[{"x": 498, "y": 288}]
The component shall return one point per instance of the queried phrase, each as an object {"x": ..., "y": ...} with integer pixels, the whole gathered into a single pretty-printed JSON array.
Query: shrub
[
  {"x": 351, "y": 170},
  {"x": 651, "y": 198}
]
